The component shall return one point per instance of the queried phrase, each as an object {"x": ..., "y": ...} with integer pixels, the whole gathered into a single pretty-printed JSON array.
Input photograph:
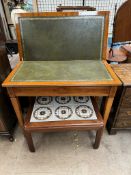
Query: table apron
[{"x": 60, "y": 91}]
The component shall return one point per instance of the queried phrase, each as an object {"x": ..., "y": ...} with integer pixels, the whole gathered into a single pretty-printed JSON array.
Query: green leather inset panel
[
  {"x": 38, "y": 71},
  {"x": 62, "y": 38}
]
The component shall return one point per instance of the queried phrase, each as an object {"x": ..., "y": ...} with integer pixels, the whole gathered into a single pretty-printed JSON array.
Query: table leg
[
  {"x": 98, "y": 138},
  {"x": 16, "y": 105},
  {"x": 108, "y": 104},
  {"x": 29, "y": 141}
]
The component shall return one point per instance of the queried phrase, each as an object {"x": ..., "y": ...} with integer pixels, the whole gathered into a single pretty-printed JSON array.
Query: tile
[{"x": 62, "y": 108}]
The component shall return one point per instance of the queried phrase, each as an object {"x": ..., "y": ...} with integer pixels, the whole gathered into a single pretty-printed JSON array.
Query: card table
[{"x": 71, "y": 69}]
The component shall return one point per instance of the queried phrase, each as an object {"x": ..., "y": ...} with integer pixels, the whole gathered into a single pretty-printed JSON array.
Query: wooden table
[
  {"x": 120, "y": 116},
  {"x": 25, "y": 80},
  {"x": 60, "y": 60}
]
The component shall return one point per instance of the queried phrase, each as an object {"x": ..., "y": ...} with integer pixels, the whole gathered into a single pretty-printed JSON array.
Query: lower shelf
[
  {"x": 48, "y": 126},
  {"x": 64, "y": 125}
]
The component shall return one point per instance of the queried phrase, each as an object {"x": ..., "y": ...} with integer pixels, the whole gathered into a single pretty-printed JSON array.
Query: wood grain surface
[{"x": 123, "y": 71}]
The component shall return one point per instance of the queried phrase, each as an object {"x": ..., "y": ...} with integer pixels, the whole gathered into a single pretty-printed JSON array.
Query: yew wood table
[{"x": 58, "y": 59}]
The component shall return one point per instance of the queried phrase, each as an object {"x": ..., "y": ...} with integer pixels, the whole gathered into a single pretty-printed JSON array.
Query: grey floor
[{"x": 68, "y": 153}]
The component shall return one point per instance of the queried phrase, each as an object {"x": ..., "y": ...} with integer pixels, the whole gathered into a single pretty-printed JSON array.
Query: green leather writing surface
[
  {"x": 62, "y": 38},
  {"x": 76, "y": 70}
]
